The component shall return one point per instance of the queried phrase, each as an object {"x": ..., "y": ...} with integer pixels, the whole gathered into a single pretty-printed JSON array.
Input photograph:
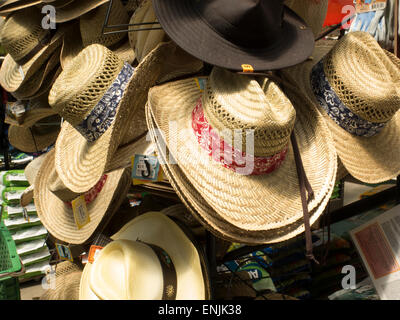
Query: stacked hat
[{"x": 364, "y": 122}]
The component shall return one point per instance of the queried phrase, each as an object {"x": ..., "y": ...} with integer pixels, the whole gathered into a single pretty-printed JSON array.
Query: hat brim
[
  {"x": 371, "y": 160},
  {"x": 79, "y": 163},
  {"x": 212, "y": 221},
  {"x": 58, "y": 218},
  {"x": 76, "y": 9},
  {"x": 24, "y": 140},
  {"x": 14, "y": 5},
  {"x": 183, "y": 24}
]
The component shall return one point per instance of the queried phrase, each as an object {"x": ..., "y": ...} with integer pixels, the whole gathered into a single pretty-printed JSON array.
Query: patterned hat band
[
  {"x": 336, "y": 109},
  {"x": 103, "y": 114},
  {"x": 92, "y": 194},
  {"x": 231, "y": 158}
]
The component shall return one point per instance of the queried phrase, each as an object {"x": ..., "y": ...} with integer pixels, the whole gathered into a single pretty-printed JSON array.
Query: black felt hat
[{"x": 264, "y": 34}]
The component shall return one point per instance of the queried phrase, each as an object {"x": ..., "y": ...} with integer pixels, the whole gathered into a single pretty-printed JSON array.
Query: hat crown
[
  {"x": 22, "y": 32},
  {"x": 364, "y": 77},
  {"x": 91, "y": 24},
  {"x": 248, "y": 22},
  {"x": 238, "y": 102},
  {"x": 127, "y": 270},
  {"x": 83, "y": 83}
]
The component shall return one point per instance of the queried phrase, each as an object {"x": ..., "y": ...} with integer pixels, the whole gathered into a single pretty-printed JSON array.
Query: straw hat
[
  {"x": 93, "y": 79},
  {"x": 37, "y": 137},
  {"x": 67, "y": 279},
  {"x": 75, "y": 9},
  {"x": 90, "y": 31},
  {"x": 29, "y": 47},
  {"x": 239, "y": 196},
  {"x": 52, "y": 200},
  {"x": 313, "y": 12},
  {"x": 145, "y": 41},
  {"x": 361, "y": 81},
  {"x": 211, "y": 220},
  {"x": 147, "y": 251}
]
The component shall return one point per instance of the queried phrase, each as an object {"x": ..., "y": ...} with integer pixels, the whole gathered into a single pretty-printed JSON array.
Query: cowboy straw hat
[
  {"x": 90, "y": 31},
  {"x": 223, "y": 191},
  {"x": 210, "y": 219},
  {"x": 313, "y": 12},
  {"x": 37, "y": 137},
  {"x": 263, "y": 34},
  {"x": 95, "y": 77},
  {"x": 30, "y": 172},
  {"x": 52, "y": 200},
  {"x": 145, "y": 41},
  {"x": 29, "y": 46},
  {"x": 138, "y": 250},
  {"x": 67, "y": 280},
  {"x": 75, "y": 9},
  {"x": 365, "y": 122}
]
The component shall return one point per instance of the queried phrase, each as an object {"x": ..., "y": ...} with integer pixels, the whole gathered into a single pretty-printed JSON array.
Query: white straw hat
[
  {"x": 354, "y": 84},
  {"x": 155, "y": 259}
]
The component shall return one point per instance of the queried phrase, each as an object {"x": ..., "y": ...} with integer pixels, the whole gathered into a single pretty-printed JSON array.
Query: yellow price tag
[
  {"x": 247, "y": 68},
  {"x": 81, "y": 214}
]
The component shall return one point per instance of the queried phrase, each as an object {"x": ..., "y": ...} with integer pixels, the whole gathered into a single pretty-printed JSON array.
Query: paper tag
[
  {"x": 370, "y": 5},
  {"x": 247, "y": 68},
  {"x": 64, "y": 252},
  {"x": 93, "y": 253},
  {"x": 80, "y": 211},
  {"x": 145, "y": 168},
  {"x": 201, "y": 83}
]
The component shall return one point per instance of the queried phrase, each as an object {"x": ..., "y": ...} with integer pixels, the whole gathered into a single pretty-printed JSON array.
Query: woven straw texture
[
  {"x": 313, "y": 12},
  {"x": 10, "y": 6},
  {"x": 33, "y": 139},
  {"x": 223, "y": 189},
  {"x": 67, "y": 279},
  {"x": 144, "y": 41},
  {"x": 212, "y": 221},
  {"x": 371, "y": 160},
  {"x": 79, "y": 163},
  {"x": 58, "y": 218},
  {"x": 132, "y": 5},
  {"x": 364, "y": 77},
  {"x": 235, "y": 103},
  {"x": 91, "y": 25},
  {"x": 76, "y": 9},
  {"x": 11, "y": 77},
  {"x": 22, "y": 32}
]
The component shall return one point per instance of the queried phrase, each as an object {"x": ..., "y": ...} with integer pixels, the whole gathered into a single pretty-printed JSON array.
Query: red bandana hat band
[
  {"x": 92, "y": 194},
  {"x": 221, "y": 151}
]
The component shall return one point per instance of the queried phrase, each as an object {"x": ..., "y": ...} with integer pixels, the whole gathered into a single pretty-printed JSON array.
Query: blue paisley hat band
[
  {"x": 336, "y": 109},
  {"x": 103, "y": 114}
]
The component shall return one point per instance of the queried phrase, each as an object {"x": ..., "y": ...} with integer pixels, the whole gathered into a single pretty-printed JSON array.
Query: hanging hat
[
  {"x": 67, "y": 278},
  {"x": 145, "y": 41},
  {"x": 313, "y": 12},
  {"x": 97, "y": 96},
  {"x": 54, "y": 208},
  {"x": 354, "y": 84},
  {"x": 29, "y": 47},
  {"x": 263, "y": 34},
  {"x": 156, "y": 259},
  {"x": 132, "y": 5},
  {"x": 239, "y": 191},
  {"x": 37, "y": 137}
]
